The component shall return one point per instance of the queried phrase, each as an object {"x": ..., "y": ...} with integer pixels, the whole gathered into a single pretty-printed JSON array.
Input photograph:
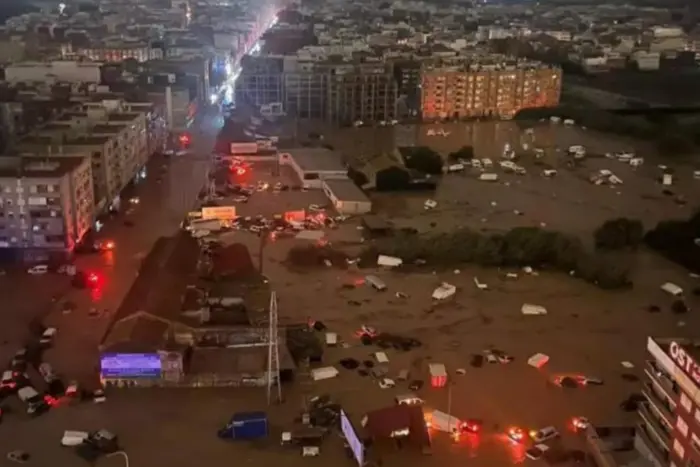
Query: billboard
[
  {"x": 224, "y": 213},
  {"x": 244, "y": 148},
  {"x": 130, "y": 365},
  {"x": 356, "y": 445}
]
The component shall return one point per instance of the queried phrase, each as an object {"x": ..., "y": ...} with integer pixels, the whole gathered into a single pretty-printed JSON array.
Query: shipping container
[
  {"x": 438, "y": 375},
  {"x": 246, "y": 425}
]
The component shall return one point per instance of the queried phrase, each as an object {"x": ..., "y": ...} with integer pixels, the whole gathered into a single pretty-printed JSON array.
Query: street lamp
[{"x": 122, "y": 454}]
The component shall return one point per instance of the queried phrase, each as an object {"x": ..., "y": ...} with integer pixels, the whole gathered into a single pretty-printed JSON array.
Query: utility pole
[
  {"x": 264, "y": 234},
  {"x": 273, "y": 352}
]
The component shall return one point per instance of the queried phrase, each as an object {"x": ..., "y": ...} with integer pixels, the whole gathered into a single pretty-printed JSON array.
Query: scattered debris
[
  {"x": 538, "y": 360},
  {"x": 626, "y": 364},
  {"x": 533, "y": 310},
  {"x": 444, "y": 292},
  {"x": 327, "y": 372}
]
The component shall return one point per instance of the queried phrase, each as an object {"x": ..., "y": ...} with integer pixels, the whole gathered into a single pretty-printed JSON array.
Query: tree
[
  {"x": 465, "y": 152},
  {"x": 392, "y": 179},
  {"x": 422, "y": 159},
  {"x": 617, "y": 234},
  {"x": 358, "y": 177}
]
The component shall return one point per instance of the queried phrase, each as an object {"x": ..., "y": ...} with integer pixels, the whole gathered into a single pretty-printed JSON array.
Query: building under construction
[{"x": 337, "y": 92}]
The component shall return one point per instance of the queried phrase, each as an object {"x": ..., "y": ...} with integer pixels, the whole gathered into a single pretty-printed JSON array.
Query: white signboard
[
  {"x": 219, "y": 212},
  {"x": 244, "y": 148}
]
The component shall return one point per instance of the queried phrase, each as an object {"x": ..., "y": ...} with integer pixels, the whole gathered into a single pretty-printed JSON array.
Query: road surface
[{"x": 169, "y": 191}]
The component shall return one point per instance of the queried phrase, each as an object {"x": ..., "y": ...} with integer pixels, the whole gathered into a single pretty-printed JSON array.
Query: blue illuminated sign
[
  {"x": 356, "y": 445},
  {"x": 128, "y": 365}
]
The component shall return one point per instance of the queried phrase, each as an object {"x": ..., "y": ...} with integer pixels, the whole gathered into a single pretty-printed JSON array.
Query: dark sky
[{"x": 10, "y": 8}]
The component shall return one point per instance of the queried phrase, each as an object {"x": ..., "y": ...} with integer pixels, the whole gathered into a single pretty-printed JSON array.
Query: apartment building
[
  {"x": 367, "y": 92},
  {"x": 118, "y": 52},
  {"x": 60, "y": 70},
  {"x": 46, "y": 206},
  {"x": 497, "y": 89},
  {"x": 336, "y": 92},
  {"x": 669, "y": 429},
  {"x": 115, "y": 139}
]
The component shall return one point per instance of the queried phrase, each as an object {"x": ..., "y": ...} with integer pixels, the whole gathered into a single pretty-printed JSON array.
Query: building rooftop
[
  {"x": 36, "y": 167},
  {"x": 346, "y": 190},
  {"x": 317, "y": 159},
  {"x": 111, "y": 129}
]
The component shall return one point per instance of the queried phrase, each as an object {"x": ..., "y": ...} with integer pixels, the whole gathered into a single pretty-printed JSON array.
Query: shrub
[
  {"x": 518, "y": 247},
  {"x": 422, "y": 159},
  {"x": 393, "y": 179},
  {"x": 465, "y": 152},
  {"x": 617, "y": 234}
]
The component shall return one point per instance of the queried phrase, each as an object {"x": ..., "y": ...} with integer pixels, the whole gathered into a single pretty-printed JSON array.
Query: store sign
[
  {"x": 224, "y": 213},
  {"x": 685, "y": 361}
]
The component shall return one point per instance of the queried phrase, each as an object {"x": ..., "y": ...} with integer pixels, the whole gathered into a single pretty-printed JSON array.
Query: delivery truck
[{"x": 245, "y": 425}]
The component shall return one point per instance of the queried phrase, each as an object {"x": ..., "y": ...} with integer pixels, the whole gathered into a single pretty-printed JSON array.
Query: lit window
[
  {"x": 682, "y": 426},
  {"x": 686, "y": 402},
  {"x": 679, "y": 449}
]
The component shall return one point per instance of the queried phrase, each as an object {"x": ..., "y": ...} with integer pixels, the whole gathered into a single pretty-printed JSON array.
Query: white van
[
  {"x": 74, "y": 438},
  {"x": 38, "y": 269},
  {"x": 408, "y": 399},
  {"x": 444, "y": 422},
  {"x": 672, "y": 289}
]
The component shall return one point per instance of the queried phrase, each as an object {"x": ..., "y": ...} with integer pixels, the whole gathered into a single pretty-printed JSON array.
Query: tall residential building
[
  {"x": 488, "y": 86},
  {"x": 115, "y": 138},
  {"x": 669, "y": 430},
  {"x": 46, "y": 206},
  {"x": 338, "y": 92}
]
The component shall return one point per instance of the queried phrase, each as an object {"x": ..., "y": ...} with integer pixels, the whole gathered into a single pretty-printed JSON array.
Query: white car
[
  {"x": 544, "y": 434},
  {"x": 38, "y": 269},
  {"x": 386, "y": 383},
  {"x": 74, "y": 438},
  {"x": 537, "y": 451},
  {"x": 47, "y": 336}
]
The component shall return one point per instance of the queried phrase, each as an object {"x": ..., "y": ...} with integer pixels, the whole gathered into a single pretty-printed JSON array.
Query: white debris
[
  {"x": 538, "y": 360},
  {"x": 445, "y": 291},
  {"x": 533, "y": 310},
  {"x": 480, "y": 285},
  {"x": 626, "y": 364},
  {"x": 389, "y": 261},
  {"x": 488, "y": 177},
  {"x": 429, "y": 204}
]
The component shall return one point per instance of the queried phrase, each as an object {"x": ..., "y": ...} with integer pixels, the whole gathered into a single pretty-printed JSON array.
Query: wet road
[{"x": 169, "y": 191}]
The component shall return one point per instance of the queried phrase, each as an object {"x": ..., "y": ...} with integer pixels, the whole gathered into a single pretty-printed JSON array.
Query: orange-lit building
[{"x": 471, "y": 88}]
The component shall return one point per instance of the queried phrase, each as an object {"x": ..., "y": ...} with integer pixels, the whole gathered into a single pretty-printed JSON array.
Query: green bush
[
  {"x": 465, "y": 152},
  {"x": 518, "y": 247},
  {"x": 422, "y": 159},
  {"x": 393, "y": 179},
  {"x": 618, "y": 234}
]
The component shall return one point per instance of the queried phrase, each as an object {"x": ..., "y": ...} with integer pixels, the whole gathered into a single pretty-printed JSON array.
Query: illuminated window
[
  {"x": 682, "y": 426},
  {"x": 679, "y": 449},
  {"x": 686, "y": 402}
]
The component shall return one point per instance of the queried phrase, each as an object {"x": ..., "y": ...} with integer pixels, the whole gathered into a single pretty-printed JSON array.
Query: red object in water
[{"x": 185, "y": 139}]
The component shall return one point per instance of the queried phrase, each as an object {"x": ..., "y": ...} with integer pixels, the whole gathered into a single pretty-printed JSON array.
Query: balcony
[
  {"x": 647, "y": 444},
  {"x": 651, "y": 420},
  {"x": 661, "y": 381},
  {"x": 660, "y": 402}
]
